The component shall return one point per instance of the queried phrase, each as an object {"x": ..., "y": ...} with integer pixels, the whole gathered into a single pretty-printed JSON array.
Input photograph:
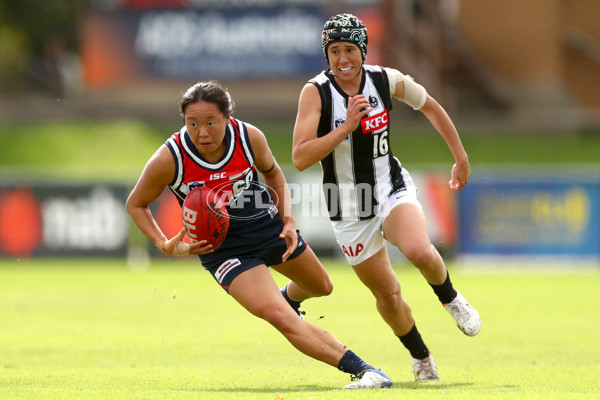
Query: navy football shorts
[{"x": 225, "y": 271}]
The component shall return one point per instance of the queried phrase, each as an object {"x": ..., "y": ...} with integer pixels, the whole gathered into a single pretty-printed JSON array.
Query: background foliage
[{"x": 28, "y": 28}]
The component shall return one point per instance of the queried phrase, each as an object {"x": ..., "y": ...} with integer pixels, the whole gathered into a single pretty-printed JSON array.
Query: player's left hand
[
  {"x": 177, "y": 247},
  {"x": 460, "y": 175},
  {"x": 291, "y": 239},
  {"x": 174, "y": 246}
]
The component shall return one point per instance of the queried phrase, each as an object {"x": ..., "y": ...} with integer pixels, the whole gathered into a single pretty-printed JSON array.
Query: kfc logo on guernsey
[{"x": 375, "y": 122}]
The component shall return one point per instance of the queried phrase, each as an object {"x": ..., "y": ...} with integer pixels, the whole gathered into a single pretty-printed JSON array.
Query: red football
[{"x": 205, "y": 217}]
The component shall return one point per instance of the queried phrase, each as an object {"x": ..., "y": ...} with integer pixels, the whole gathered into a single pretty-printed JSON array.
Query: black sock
[
  {"x": 352, "y": 364},
  {"x": 295, "y": 304},
  {"x": 414, "y": 343},
  {"x": 445, "y": 292}
]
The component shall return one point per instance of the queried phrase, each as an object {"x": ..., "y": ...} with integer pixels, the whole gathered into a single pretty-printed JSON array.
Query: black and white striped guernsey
[{"x": 361, "y": 172}]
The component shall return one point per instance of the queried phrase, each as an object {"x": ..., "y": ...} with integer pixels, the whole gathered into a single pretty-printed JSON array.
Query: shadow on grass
[
  {"x": 270, "y": 389},
  {"x": 324, "y": 388},
  {"x": 441, "y": 385},
  {"x": 430, "y": 385}
]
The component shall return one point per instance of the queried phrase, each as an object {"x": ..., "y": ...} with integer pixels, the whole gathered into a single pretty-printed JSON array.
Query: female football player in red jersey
[
  {"x": 343, "y": 123},
  {"x": 216, "y": 150}
]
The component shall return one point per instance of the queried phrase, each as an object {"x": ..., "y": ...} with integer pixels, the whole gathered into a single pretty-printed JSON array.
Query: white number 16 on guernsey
[{"x": 380, "y": 144}]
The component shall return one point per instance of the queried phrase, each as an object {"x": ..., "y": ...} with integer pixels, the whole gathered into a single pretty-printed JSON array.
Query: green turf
[
  {"x": 120, "y": 149},
  {"x": 99, "y": 330},
  {"x": 94, "y": 150},
  {"x": 425, "y": 146}
]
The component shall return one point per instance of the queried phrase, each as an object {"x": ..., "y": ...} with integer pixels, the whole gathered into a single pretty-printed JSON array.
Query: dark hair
[{"x": 209, "y": 91}]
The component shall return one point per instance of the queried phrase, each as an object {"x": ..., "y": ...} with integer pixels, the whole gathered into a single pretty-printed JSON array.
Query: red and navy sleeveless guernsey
[
  {"x": 253, "y": 218},
  {"x": 361, "y": 172}
]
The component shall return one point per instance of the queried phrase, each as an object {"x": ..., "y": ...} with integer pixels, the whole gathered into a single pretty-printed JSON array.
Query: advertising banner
[
  {"x": 273, "y": 42},
  {"x": 232, "y": 39},
  {"x": 548, "y": 216},
  {"x": 59, "y": 220},
  {"x": 201, "y": 44}
]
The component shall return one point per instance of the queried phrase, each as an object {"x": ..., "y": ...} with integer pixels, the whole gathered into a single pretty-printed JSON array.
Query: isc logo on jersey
[{"x": 375, "y": 122}]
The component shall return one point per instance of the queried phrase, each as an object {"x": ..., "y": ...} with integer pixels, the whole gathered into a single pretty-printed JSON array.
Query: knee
[
  {"x": 318, "y": 288},
  {"x": 422, "y": 256},
  {"x": 392, "y": 303},
  {"x": 324, "y": 289},
  {"x": 389, "y": 299},
  {"x": 281, "y": 318}
]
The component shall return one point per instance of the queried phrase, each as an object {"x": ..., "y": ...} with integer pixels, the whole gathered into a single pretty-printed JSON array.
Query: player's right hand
[
  {"x": 358, "y": 107},
  {"x": 291, "y": 239}
]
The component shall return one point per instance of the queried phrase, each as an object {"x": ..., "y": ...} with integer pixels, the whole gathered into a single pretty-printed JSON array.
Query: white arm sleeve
[{"x": 414, "y": 94}]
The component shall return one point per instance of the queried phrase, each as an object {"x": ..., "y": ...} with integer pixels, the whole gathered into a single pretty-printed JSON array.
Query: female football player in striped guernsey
[
  {"x": 218, "y": 151},
  {"x": 343, "y": 123}
]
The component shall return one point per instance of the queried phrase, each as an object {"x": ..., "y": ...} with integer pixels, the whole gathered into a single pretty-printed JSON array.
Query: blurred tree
[{"x": 33, "y": 36}]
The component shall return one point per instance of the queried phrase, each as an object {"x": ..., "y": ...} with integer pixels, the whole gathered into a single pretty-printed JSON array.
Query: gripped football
[{"x": 205, "y": 217}]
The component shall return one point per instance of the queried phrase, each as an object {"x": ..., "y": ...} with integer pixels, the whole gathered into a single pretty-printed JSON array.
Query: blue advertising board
[
  {"x": 261, "y": 42},
  {"x": 524, "y": 216},
  {"x": 169, "y": 40}
]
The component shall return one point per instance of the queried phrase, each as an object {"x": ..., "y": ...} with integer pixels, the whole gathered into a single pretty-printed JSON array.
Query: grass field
[
  {"x": 84, "y": 329},
  {"x": 120, "y": 149}
]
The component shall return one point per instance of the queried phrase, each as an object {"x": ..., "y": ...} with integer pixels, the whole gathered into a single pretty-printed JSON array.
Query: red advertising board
[{"x": 60, "y": 220}]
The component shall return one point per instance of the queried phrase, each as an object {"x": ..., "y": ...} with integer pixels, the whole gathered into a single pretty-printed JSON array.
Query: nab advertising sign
[
  {"x": 549, "y": 216},
  {"x": 45, "y": 220}
]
